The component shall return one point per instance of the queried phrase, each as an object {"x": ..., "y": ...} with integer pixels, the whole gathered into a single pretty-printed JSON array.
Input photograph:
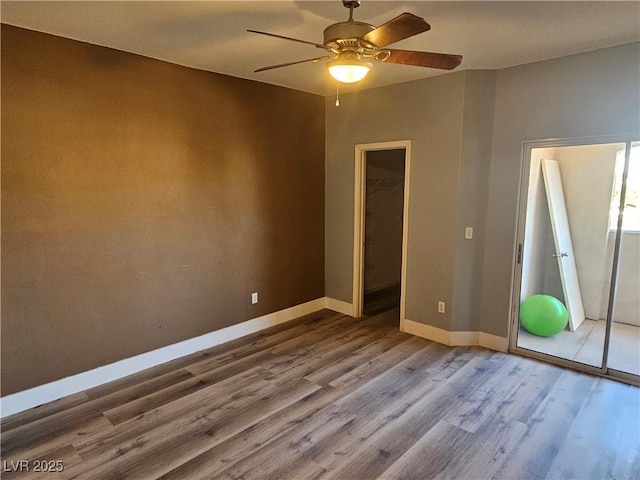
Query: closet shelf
[{"x": 392, "y": 185}]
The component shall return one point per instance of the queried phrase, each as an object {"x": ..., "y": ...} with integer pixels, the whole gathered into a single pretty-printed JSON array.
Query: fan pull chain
[{"x": 337, "y": 94}]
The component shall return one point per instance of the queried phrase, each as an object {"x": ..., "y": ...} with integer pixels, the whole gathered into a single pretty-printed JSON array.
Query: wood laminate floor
[
  {"x": 381, "y": 300},
  {"x": 331, "y": 397}
]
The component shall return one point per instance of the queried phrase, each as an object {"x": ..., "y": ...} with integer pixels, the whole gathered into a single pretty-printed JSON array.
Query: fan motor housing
[{"x": 336, "y": 34}]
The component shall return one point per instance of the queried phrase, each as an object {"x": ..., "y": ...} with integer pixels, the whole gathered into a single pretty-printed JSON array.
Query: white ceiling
[{"x": 211, "y": 35}]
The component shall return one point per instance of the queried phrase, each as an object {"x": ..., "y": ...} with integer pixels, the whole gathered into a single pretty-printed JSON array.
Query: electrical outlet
[
  {"x": 441, "y": 307},
  {"x": 254, "y": 298}
]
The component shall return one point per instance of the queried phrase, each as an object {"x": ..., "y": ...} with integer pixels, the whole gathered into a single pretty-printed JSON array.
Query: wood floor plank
[
  {"x": 144, "y": 377},
  {"x": 156, "y": 455},
  {"x": 165, "y": 419},
  {"x": 258, "y": 347},
  {"x": 139, "y": 406},
  {"x": 382, "y": 343},
  {"x": 533, "y": 388},
  {"x": 485, "y": 451},
  {"x": 326, "y": 352},
  {"x": 56, "y": 461},
  {"x": 60, "y": 451},
  {"x": 331, "y": 397},
  {"x": 329, "y": 335},
  {"x": 250, "y": 343},
  {"x": 42, "y": 411},
  {"x": 261, "y": 434},
  {"x": 324, "y": 329},
  {"x": 548, "y": 427},
  {"x": 380, "y": 403},
  {"x": 133, "y": 439},
  {"x": 599, "y": 444},
  {"x": 379, "y": 364},
  {"x": 403, "y": 383},
  {"x": 484, "y": 403},
  {"x": 60, "y": 423},
  {"x": 38, "y": 449},
  {"x": 368, "y": 460},
  {"x": 426, "y": 458},
  {"x": 292, "y": 462}
]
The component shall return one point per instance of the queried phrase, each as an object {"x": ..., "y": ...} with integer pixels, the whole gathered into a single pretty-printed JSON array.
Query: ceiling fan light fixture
[
  {"x": 347, "y": 43},
  {"x": 348, "y": 70}
]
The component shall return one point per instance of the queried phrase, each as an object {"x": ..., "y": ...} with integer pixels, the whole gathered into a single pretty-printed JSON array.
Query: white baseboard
[
  {"x": 48, "y": 392},
  {"x": 41, "y": 394},
  {"x": 426, "y": 331},
  {"x": 493, "y": 342},
  {"x": 339, "y": 306},
  {"x": 455, "y": 339}
]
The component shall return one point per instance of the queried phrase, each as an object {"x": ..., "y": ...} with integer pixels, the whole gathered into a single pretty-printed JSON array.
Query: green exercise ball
[{"x": 543, "y": 315}]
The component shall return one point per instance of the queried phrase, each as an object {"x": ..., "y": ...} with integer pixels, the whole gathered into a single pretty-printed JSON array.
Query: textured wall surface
[
  {"x": 143, "y": 202},
  {"x": 561, "y": 98},
  {"x": 429, "y": 114},
  {"x": 467, "y": 131}
]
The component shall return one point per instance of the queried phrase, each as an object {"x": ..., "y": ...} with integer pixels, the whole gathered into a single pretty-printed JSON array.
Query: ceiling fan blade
[
  {"x": 403, "y": 26},
  {"x": 271, "y": 67},
  {"x": 317, "y": 45},
  {"x": 444, "y": 61}
]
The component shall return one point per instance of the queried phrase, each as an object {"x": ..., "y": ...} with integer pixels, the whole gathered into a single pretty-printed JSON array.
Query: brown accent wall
[{"x": 143, "y": 202}]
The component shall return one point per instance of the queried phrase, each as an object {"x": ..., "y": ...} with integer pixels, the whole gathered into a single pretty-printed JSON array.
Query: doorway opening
[
  {"x": 380, "y": 227},
  {"x": 579, "y": 243},
  {"x": 383, "y": 213}
]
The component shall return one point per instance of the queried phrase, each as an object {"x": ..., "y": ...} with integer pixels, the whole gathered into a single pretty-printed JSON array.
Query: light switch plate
[{"x": 468, "y": 233}]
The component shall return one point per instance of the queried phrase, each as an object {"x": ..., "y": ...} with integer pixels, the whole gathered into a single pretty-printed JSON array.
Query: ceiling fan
[{"x": 349, "y": 44}]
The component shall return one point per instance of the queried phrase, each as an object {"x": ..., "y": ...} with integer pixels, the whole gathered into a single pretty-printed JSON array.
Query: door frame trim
[{"x": 360, "y": 191}]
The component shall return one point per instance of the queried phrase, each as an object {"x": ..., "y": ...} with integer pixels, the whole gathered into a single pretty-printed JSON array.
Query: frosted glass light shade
[{"x": 348, "y": 70}]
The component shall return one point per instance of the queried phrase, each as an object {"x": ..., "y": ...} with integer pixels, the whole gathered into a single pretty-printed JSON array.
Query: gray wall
[
  {"x": 472, "y": 193},
  {"x": 595, "y": 93},
  {"x": 446, "y": 187},
  {"x": 429, "y": 113},
  {"x": 458, "y": 180}
]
